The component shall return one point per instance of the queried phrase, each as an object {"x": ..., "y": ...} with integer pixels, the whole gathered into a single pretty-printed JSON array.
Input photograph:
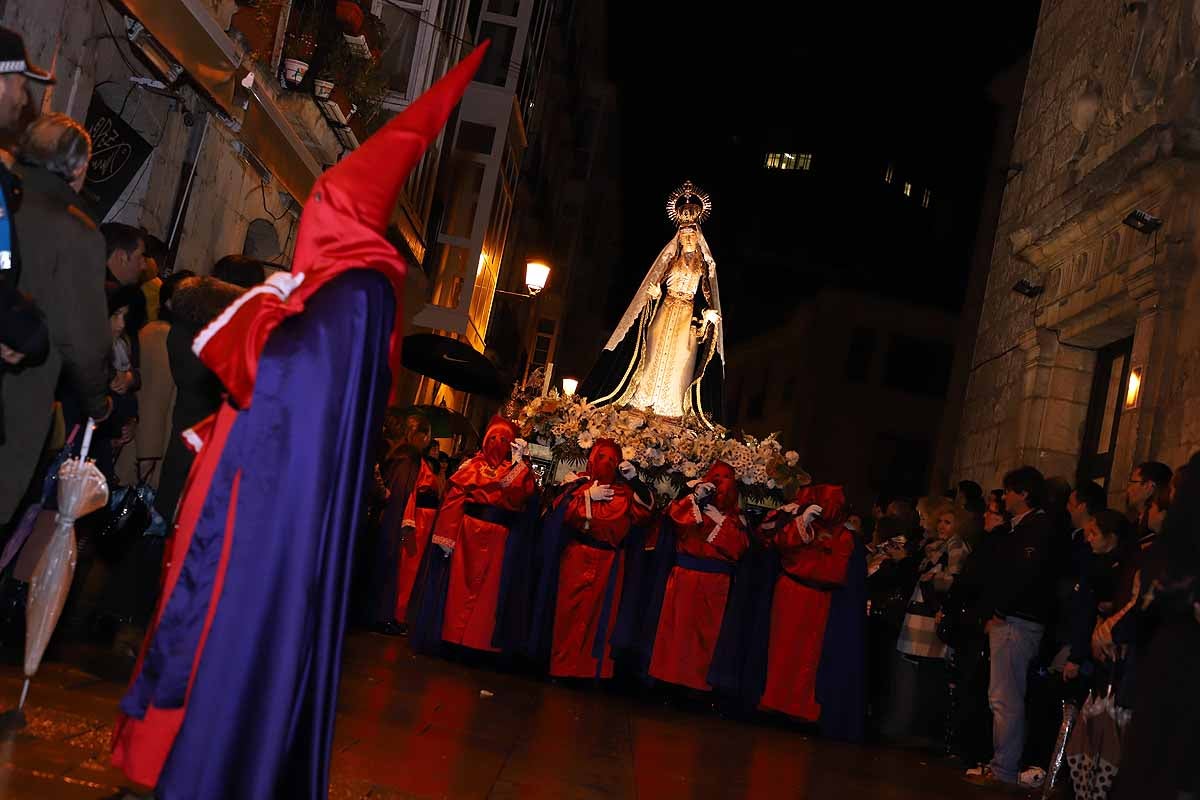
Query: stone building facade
[{"x": 1097, "y": 366}]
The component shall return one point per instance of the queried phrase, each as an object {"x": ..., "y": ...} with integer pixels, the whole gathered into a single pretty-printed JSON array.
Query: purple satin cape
[
  {"x": 261, "y": 712},
  {"x": 841, "y": 676}
]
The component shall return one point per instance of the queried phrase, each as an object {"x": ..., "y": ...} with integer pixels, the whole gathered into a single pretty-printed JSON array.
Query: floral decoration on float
[{"x": 668, "y": 453}]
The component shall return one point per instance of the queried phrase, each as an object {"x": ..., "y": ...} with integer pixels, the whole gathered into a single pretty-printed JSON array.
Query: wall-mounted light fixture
[
  {"x": 1142, "y": 221},
  {"x": 569, "y": 386},
  {"x": 1133, "y": 390},
  {"x": 1028, "y": 289}
]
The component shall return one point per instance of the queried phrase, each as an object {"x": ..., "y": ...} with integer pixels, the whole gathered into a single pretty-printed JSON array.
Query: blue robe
[{"x": 259, "y": 719}]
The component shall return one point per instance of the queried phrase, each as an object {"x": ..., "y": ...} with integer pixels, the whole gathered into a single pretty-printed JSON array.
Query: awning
[
  {"x": 192, "y": 36},
  {"x": 190, "y": 33}
]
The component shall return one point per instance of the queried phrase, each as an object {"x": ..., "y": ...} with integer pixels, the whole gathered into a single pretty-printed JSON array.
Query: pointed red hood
[{"x": 341, "y": 228}]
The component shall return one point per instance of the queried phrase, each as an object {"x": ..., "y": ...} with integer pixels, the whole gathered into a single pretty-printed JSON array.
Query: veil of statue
[{"x": 667, "y": 354}]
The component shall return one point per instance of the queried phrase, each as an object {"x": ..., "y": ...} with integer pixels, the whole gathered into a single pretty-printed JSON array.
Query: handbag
[{"x": 129, "y": 515}]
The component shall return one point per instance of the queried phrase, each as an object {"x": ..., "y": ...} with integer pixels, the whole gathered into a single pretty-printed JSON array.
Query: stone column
[
  {"x": 1157, "y": 295},
  {"x": 1056, "y": 383}
]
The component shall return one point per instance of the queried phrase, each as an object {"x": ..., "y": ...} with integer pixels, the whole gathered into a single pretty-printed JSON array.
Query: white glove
[
  {"x": 654, "y": 291},
  {"x": 600, "y": 493},
  {"x": 804, "y": 523},
  {"x": 711, "y": 316},
  {"x": 628, "y": 470},
  {"x": 703, "y": 490},
  {"x": 519, "y": 448}
]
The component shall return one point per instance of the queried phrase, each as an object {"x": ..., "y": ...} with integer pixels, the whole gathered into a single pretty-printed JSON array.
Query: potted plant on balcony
[
  {"x": 301, "y": 45},
  {"x": 336, "y": 63},
  {"x": 367, "y": 94}
]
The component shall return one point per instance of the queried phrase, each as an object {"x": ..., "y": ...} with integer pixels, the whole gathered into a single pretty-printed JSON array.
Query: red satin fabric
[
  {"x": 583, "y": 578},
  {"x": 476, "y": 565},
  {"x": 140, "y": 746},
  {"x": 412, "y": 548},
  {"x": 694, "y": 602},
  {"x": 799, "y": 614}
]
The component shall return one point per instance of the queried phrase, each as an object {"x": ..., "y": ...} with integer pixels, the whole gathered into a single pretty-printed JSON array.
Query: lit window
[
  {"x": 788, "y": 161},
  {"x": 907, "y": 189},
  {"x": 926, "y": 199},
  {"x": 890, "y": 175}
]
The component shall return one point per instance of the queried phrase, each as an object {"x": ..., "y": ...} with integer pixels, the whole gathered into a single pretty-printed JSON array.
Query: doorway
[{"x": 1104, "y": 412}]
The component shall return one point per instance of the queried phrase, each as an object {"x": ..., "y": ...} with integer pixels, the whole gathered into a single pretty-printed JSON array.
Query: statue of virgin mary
[{"x": 667, "y": 354}]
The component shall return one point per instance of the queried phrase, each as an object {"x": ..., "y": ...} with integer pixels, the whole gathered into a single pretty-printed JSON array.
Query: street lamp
[{"x": 536, "y": 275}]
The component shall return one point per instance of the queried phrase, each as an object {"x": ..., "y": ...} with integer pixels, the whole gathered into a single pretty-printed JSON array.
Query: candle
[{"x": 87, "y": 439}]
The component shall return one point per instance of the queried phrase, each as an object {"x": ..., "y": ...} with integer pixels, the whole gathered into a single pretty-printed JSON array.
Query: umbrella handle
[{"x": 87, "y": 439}]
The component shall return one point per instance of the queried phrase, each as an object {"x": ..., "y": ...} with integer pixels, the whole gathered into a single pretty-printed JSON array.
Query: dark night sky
[{"x": 702, "y": 91}]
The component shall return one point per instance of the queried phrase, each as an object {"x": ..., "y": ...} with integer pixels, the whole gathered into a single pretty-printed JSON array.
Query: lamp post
[{"x": 536, "y": 275}]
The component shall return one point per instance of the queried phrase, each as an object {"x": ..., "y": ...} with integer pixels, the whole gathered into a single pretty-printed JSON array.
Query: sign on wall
[{"x": 118, "y": 153}]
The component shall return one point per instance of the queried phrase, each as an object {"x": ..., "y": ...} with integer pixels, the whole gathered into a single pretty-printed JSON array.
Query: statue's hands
[
  {"x": 712, "y": 316},
  {"x": 628, "y": 470},
  {"x": 703, "y": 490},
  {"x": 654, "y": 291},
  {"x": 518, "y": 449}
]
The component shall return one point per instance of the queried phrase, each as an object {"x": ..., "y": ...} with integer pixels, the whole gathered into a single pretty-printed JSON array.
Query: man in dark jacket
[
  {"x": 1019, "y": 592},
  {"x": 63, "y": 271},
  {"x": 24, "y": 337}
]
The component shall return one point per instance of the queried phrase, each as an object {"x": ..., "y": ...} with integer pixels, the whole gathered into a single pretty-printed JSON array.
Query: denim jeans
[{"x": 1014, "y": 643}]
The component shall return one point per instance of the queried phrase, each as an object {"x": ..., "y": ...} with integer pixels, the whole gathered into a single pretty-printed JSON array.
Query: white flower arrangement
[{"x": 660, "y": 448}]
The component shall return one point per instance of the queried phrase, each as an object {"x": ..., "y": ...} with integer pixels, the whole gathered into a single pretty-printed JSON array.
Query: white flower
[
  {"x": 747, "y": 478},
  {"x": 690, "y": 469},
  {"x": 586, "y": 441},
  {"x": 791, "y": 457},
  {"x": 629, "y": 453}
]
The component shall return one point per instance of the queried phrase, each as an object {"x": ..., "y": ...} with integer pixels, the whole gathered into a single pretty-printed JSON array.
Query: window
[
  {"x": 907, "y": 189},
  {"x": 508, "y": 8},
  {"x": 889, "y": 175},
  {"x": 476, "y": 138},
  {"x": 926, "y": 199},
  {"x": 918, "y": 366},
  {"x": 397, "y": 61},
  {"x": 860, "y": 355},
  {"x": 466, "y": 183},
  {"x": 497, "y": 62},
  {"x": 542, "y": 343},
  {"x": 788, "y": 161}
]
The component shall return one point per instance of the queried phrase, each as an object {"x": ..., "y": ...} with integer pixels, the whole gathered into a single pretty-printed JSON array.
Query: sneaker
[
  {"x": 1032, "y": 778},
  {"x": 983, "y": 776}
]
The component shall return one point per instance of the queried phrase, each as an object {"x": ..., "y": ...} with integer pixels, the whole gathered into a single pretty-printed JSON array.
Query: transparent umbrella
[{"x": 81, "y": 490}]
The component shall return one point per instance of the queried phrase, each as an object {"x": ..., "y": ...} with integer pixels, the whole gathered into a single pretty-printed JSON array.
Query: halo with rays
[{"x": 689, "y": 190}]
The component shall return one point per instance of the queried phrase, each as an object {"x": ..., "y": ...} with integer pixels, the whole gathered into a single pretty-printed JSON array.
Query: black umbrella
[{"x": 453, "y": 363}]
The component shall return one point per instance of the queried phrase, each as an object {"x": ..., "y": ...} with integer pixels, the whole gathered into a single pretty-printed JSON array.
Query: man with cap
[{"x": 24, "y": 339}]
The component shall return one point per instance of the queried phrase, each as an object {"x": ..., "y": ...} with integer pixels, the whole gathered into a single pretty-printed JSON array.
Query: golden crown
[{"x": 689, "y": 205}]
